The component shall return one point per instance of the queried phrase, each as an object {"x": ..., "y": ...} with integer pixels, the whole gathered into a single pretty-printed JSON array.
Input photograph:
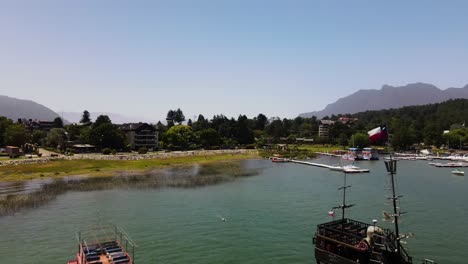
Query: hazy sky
[{"x": 281, "y": 58}]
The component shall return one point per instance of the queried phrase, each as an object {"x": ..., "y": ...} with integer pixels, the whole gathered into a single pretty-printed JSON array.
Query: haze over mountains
[
  {"x": 390, "y": 97},
  {"x": 385, "y": 98},
  {"x": 14, "y": 108}
]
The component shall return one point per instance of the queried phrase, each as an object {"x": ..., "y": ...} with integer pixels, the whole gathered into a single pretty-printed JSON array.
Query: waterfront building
[
  {"x": 324, "y": 127},
  {"x": 141, "y": 135}
]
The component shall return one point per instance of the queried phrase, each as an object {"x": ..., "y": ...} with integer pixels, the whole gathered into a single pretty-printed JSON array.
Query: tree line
[{"x": 441, "y": 124}]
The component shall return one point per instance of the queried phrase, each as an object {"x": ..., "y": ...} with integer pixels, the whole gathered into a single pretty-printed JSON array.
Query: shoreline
[{"x": 98, "y": 165}]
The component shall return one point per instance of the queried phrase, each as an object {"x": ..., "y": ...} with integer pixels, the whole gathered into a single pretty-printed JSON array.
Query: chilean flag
[{"x": 378, "y": 134}]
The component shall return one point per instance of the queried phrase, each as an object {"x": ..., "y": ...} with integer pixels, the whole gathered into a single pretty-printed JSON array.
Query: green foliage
[
  {"x": 342, "y": 140},
  {"x": 39, "y": 137},
  {"x": 142, "y": 150},
  {"x": 74, "y": 132},
  {"x": 86, "y": 117},
  {"x": 58, "y": 122},
  {"x": 102, "y": 119},
  {"x": 208, "y": 138},
  {"x": 179, "y": 116},
  {"x": 56, "y": 137},
  {"x": 178, "y": 137},
  {"x": 107, "y": 135},
  {"x": 4, "y": 124},
  {"x": 106, "y": 151},
  {"x": 455, "y": 138},
  {"x": 260, "y": 122},
  {"x": 275, "y": 129},
  {"x": 15, "y": 135},
  {"x": 244, "y": 134},
  {"x": 360, "y": 140},
  {"x": 170, "y": 115}
]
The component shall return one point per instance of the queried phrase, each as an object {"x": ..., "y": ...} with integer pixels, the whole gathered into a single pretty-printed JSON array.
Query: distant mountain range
[
  {"x": 390, "y": 97},
  {"x": 14, "y": 108}
]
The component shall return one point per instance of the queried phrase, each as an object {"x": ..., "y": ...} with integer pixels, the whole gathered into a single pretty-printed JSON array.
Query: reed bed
[
  {"x": 183, "y": 176},
  {"x": 91, "y": 167}
]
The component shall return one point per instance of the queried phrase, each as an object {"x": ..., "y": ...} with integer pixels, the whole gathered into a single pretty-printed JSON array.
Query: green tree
[
  {"x": 58, "y": 122},
  {"x": 178, "y": 137},
  {"x": 39, "y": 137},
  {"x": 244, "y": 134},
  {"x": 73, "y": 131},
  {"x": 179, "y": 116},
  {"x": 86, "y": 117},
  {"x": 275, "y": 129},
  {"x": 170, "y": 115},
  {"x": 343, "y": 140},
  {"x": 4, "y": 124},
  {"x": 102, "y": 119},
  {"x": 209, "y": 138},
  {"x": 260, "y": 122},
  {"x": 107, "y": 135},
  {"x": 200, "y": 124},
  {"x": 15, "y": 135},
  {"x": 56, "y": 138},
  {"x": 85, "y": 134},
  {"x": 360, "y": 140}
]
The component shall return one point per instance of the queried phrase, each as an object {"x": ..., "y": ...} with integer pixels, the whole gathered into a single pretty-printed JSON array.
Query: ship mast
[
  {"x": 392, "y": 168},
  {"x": 344, "y": 205}
]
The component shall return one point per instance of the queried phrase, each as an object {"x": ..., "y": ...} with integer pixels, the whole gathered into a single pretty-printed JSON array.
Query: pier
[{"x": 346, "y": 169}]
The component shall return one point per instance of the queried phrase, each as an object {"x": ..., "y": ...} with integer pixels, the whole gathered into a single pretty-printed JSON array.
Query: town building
[
  {"x": 141, "y": 135},
  {"x": 324, "y": 127},
  {"x": 347, "y": 120},
  {"x": 34, "y": 124}
]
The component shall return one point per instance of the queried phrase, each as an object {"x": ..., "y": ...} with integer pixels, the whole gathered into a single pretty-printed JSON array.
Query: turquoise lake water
[{"x": 271, "y": 217}]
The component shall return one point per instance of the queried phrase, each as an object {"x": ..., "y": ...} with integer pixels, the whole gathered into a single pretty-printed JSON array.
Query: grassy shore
[{"x": 60, "y": 168}]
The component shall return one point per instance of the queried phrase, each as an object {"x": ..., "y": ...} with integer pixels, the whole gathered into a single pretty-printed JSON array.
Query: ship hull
[{"x": 325, "y": 257}]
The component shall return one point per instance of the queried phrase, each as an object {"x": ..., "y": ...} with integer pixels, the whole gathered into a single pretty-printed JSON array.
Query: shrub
[
  {"x": 142, "y": 150},
  {"x": 106, "y": 151}
]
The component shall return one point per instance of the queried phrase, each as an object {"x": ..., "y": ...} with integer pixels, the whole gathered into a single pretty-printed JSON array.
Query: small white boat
[{"x": 458, "y": 173}]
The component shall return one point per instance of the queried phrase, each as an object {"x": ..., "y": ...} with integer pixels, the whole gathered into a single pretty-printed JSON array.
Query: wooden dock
[
  {"x": 311, "y": 164},
  {"x": 346, "y": 170}
]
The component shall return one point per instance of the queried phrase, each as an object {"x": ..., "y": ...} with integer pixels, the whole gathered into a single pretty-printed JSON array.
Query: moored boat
[
  {"x": 347, "y": 241},
  {"x": 369, "y": 154},
  {"x": 458, "y": 172},
  {"x": 279, "y": 160},
  {"x": 353, "y": 154},
  {"x": 104, "y": 245}
]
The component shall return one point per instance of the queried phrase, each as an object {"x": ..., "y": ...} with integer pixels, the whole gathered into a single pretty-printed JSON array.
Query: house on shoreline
[{"x": 141, "y": 135}]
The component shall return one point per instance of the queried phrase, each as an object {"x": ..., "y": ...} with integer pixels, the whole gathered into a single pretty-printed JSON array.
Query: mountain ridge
[
  {"x": 15, "y": 108},
  {"x": 390, "y": 97}
]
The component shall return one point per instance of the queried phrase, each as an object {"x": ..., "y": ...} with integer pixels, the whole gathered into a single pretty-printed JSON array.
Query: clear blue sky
[{"x": 281, "y": 58}]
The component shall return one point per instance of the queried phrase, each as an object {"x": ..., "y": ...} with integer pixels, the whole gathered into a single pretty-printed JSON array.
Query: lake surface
[{"x": 271, "y": 217}]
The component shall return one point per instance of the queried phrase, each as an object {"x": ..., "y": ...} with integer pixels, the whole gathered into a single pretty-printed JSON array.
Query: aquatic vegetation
[
  {"x": 102, "y": 168},
  {"x": 184, "y": 176}
]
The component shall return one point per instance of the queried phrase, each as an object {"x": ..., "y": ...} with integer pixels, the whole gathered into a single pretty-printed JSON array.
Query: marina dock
[{"x": 346, "y": 169}]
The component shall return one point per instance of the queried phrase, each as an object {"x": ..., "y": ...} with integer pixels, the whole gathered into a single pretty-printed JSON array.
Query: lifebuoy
[{"x": 363, "y": 245}]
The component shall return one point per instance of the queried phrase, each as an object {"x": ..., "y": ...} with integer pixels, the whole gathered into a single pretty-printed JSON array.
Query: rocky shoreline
[{"x": 126, "y": 156}]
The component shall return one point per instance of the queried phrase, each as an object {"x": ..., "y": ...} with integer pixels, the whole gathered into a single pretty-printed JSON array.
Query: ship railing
[
  {"x": 102, "y": 234},
  {"x": 389, "y": 241},
  {"x": 337, "y": 224},
  {"x": 339, "y": 236}
]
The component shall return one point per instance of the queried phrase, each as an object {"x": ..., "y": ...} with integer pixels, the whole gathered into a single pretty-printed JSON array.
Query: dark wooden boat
[
  {"x": 104, "y": 245},
  {"x": 347, "y": 241}
]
